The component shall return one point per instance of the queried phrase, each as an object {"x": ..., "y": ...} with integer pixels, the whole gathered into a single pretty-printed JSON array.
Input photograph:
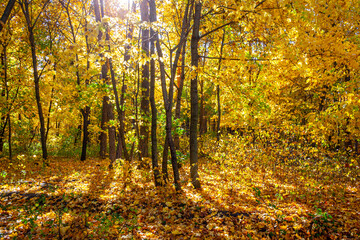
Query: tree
[
  {"x": 144, "y": 127},
  {"x": 167, "y": 104},
  {"x": 30, "y": 27},
  {"x": 154, "y": 151},
  {"x": 107, "y": 108},
  {"x": 194, "y": 97}
]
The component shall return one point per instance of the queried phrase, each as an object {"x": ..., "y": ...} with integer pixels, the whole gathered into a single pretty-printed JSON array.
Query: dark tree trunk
[
  {"x": 218, "y": 113},
  {"x": 6, "y": 13},
  {"x": 167, "y": 104},
  {"x": 202, "y": 118},
  {"x": 154, "y": 153},
  {"x": 9, "y": 139},
  {"x": 218, "y": 92},
  {"x": 85, "y": 113},
  {"x": 144, "y": 105},
  {"x": 4, "y": 120},
  {"x": 164, "y": 167},
  {"x": 121, "y": 148},
  {"x": 104, "y": 120},
  {"x": 112, "y": 137},
  {"x": 183, "y": 36},
  {"x": 30, "y": 26},
  {"x": 2, "y": 132},
  {"x": 107, "y": 109},
  {"x": 49, "y": 112},
  {"x": 194, "y": 99},
  {"x": 179, "y": 94},
  {"x": 103, "y": 134}
]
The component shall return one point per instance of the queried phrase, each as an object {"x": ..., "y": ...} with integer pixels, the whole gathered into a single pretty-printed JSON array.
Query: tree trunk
[
  {"x": 4, "y": 120},
  {"x": 194, "y": 99},
  {"x": 112, "y": 136},
  {"x": 218, "y": 113},
  {"x": 202, "y": 110},
  {"x": 164, "y": 167},
  {"x": 9, "y": 139},
  {"x": 107, "y": 109},
  {"x": 30, "y": 27},
  {"x": 218, "y": 92},
  {"x": 49, "y": 111},
  {"x": 85, "y": 113},
  {"x": 154, "y": 153},
  {"x": 2, "y": 133},
  {"x": 179, "y": 94},
  {"x": 185, "y": 27},
  {"x": 121, "y": 148},
  {"x": 104, "y": 120},
  {"x": 167, "y": 104},
  {"x": 202, "y": 118},
  {"x": 103, "y": 134},
  {"x": 144, "y": 105}
]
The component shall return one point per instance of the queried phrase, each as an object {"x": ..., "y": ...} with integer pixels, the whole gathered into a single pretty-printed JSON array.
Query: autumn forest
[{"x": 179, "y": 119}]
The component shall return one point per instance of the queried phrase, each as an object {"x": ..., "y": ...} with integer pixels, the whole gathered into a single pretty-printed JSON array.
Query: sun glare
[{"x": 123, "y": 3}]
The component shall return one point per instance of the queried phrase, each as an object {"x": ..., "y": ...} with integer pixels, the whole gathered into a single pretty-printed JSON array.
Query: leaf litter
[{"x": 246, "y": 194}]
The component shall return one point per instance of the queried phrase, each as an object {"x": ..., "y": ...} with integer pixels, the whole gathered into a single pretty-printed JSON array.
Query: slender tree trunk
[
  {"x": 154, "y": 153},
  {"x": 121, "y": 148},
  {"x": 167, "y": 104},
  {"x": 174, "y": 65},
  {"x": 164, "y": 164},
  {"x": 3, "y": 119},
  {"x": 121, "y": 115},
  {"x": 85, "y": 112},
  {"x": 180, "y": 50},
  {"x": 119, "y": 106},
  {"x": 107, "y": 109},
  {"x": 218, "y": 113},
  {"x": 202, "y": 109},
  {"x": 112, "y": 137},
  {"x": 104, "y": 120},
  {"x": 103, "y": 134},
  {"x": 30, "y": 27},
  {"x": 194, "y": 98},
  {"x": 48, "y": 116},
  {"x": 144, "y": 105},
  {"x": 202, "y": 118},
  {"x": 218, "y": 91},
  {"x": 9, "y": 139},
  {"x": 2, "y": 133},
  {"x": 179, "y": 94}
]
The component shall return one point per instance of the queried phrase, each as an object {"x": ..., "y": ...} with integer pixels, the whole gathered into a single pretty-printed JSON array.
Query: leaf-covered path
[{"x": 242, "y": 197}]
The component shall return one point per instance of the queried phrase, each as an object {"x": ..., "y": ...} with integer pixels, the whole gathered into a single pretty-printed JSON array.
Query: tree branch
[
  {"x": 215, "y": 29},
  {"x": 6, "y": 13},
  {"x": 241, "y": 59}
]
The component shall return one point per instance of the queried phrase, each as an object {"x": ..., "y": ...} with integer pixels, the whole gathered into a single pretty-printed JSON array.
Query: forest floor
[{"x": 247, "y": 193}]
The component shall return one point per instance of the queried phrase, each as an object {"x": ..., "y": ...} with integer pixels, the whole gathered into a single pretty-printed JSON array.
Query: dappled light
[{"x": 238, "y": 199}]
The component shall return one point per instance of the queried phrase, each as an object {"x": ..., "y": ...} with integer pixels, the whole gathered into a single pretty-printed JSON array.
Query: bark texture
[
  {"x": 144, "y": 104},
  {"x": 194, "y": 99}
]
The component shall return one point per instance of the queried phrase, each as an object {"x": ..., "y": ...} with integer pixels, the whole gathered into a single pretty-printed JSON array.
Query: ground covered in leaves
[{"x": 248, "y": 192}]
